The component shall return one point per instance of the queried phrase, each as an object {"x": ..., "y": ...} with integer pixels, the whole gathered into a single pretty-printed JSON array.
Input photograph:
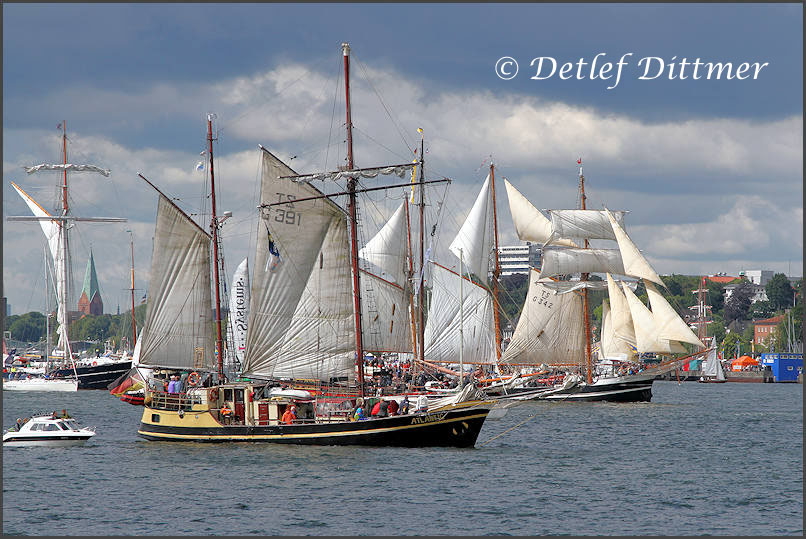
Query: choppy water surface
[{"x": 718, "y": 459}]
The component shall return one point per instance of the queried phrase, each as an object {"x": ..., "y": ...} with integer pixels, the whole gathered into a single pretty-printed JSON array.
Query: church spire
[{"x": 90, "y": 301}]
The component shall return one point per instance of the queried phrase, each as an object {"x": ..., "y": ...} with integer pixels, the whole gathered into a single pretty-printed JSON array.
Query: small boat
[
  {"x": 47, "y": 430},
  {"x": 712, "y": 372},
  {"x": 40, "y": 383}
]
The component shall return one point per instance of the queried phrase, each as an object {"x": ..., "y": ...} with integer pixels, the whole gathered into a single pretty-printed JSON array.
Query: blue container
[{"x": 785, "y": 367}]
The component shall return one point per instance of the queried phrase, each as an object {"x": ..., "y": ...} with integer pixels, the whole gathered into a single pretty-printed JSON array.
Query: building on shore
[
  {"x": 519, "y": 258},
  {"x": 90, "y": 301}
]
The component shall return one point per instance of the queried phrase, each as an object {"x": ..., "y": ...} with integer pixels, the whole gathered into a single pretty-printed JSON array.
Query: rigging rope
[{"x": 508, "y": 430}]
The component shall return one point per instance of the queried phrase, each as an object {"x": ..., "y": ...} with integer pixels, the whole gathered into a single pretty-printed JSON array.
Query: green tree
[
  {"x": 28, "y": 327},
  {"x": 739, "y": 302},
  {"x": 760, "y": 309},
  {"x": 779, "y": 291}
]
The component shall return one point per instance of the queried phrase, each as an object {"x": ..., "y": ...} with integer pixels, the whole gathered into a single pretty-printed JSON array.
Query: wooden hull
[{"x": 458, "y": 426}]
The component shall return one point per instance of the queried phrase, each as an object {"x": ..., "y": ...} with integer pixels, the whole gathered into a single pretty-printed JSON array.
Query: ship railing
[{"x": 173, "y": 401}]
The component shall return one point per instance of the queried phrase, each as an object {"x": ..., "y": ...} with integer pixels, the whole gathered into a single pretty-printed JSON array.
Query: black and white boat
[{"x": 47, "y": 430}]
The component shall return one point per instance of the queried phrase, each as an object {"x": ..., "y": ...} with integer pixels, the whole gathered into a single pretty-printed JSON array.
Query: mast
[
  {"x": 66, "y": 271},
  {"x": 47, "y": 309},
  {"x": 359, "y": 344},
  {"x": 461, "y": 321},
  {"x": 134, "y": 327},
  {"x": 411, "y": 296},
  {"x": 214, "y": 232},
  {"x": 420, "y": 291},
  {"x": 584, "y": 277},
  {"x": 496, "y": 270}
]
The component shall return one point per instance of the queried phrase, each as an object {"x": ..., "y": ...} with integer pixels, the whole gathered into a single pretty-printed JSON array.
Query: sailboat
[
  {"x": 56, "y": 229},
  {"x": 554, "y": 327},
  {"x": 712, "y": 371},
  {"x": 306, "y": 324}
]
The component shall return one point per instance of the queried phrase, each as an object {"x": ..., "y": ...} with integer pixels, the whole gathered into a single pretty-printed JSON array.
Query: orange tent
[{"x": 742, "y": 362}]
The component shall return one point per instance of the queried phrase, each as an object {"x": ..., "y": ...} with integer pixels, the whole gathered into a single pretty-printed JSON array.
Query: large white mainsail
[
  {"x": 550, "y": 328},
  {"x": 634, "y": 262},
  {"x": 623, "y": 332},
  {"x": 301, "y": 316},
  {"x": 178, "y": 331}
]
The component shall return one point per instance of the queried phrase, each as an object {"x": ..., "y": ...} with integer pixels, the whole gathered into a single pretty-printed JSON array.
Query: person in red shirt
[
  {"x": 376, "y": 409},
  {"x": 290, "y": 415},
  {"x": 393, "y": 407}
]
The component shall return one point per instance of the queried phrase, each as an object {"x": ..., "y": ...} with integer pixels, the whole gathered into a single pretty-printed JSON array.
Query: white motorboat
[
  {"x": 47, "y": 430},
  {"x": 37, "y": 383}
]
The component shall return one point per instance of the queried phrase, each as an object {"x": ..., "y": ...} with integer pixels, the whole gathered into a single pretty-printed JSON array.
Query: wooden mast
[
  {"x": 65, "y": 295},
  {"x": 411, "y": 274},
  {"x": 584, "y": 277},
  {"x": 134, "y": 327},
  {"x": 420, "y": 291},
  {"x": 359, "y": 342},
  {"x": 214, "y": 224},
  {"x": 496, "y": 271}
]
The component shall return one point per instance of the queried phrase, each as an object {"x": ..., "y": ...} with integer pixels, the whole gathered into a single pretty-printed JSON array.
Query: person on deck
[
  {"x": 383, "y": 409},
  {"x": 376, "y": 409},
  {"x": 422, "y": 404},
  {"x": 359, "y": 414},
  {"x": 226, "y": 414},
  {"x": 393, "y": 407},
  {"x": 290, "y": 415},
  {"x": 404, "y": 405}
]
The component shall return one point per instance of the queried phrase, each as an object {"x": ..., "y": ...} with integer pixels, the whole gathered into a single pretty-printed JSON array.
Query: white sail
[
  {"x": 474, "y": 238},
  {"x": 319, "y": 342},
  {"x": 442, "y": 340},
  {"x": 178, "y": 329},
  {"x": 296, "y": 259},
  {"x": 633, "y": 261},
  {"x": 54, "y": 231},
  {"x": 620, "y": 316},
  {"x": 646, "y": 330},
  {"x": 566, "y": 261},
  {"x": 239, "y": 311},
  {"x": 530, "y": 223},
  {"x": 711, "y": 366},
  {"x": 550, "y": 329},
  {"x": 583, "y": 224},
  {"x": 605, "y": 343},
  {"x": 388, "y": 249},
  {"x": 670, "y": 325},
  {"x": 385, "y": 315}
]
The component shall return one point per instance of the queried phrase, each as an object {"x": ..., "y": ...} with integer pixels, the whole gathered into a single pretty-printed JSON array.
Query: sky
[{"x": 711, "y": 171}]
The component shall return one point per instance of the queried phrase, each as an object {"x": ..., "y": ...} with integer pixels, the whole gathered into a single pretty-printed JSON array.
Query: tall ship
[
  {"x": 61, "y": 368},
  {"x": 313, "y": 313},
  {"x": 554, "y": 332}
]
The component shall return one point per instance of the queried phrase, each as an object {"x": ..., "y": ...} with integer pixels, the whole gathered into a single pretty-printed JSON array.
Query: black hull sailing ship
[
  {"x": 307, "y": 325},
  {"x": 554, "y": 332},
  {"x": 96, "y": 376}
]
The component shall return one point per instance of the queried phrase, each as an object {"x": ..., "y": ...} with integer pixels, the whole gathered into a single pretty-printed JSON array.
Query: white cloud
[{"x": 752, "y": 168}]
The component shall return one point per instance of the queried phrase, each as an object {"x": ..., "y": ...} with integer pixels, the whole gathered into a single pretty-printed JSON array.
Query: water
[{"x": 718, "y": 459}]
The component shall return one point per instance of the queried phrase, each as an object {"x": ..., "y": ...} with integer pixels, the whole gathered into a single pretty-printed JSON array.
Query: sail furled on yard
[
  {"x": 530, "y": 223},
  {"x": 446, "y": 314},
  {"x": 301, "y": 314},
  {"x": 474, "y": 239},
  {"x": 550, "y": 329},
  {"x": 178, "y": 331}
]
